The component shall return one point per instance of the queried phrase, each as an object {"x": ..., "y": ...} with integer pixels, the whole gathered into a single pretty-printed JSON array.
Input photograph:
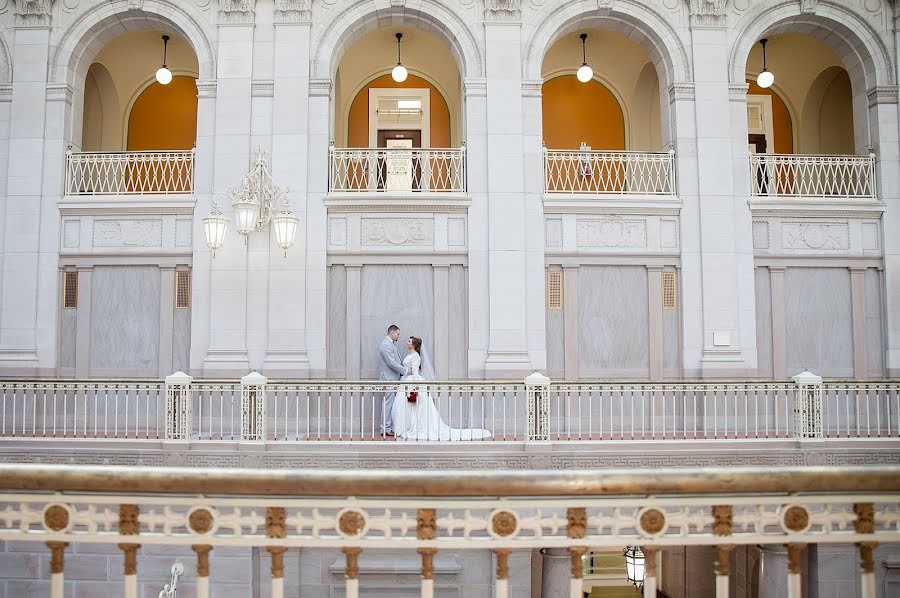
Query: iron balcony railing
[
  {"x": 789, "y": 175},
  {"x": 285, "y": 411},
  {"x": 397, "y": 170},
  {"x": 591, "y": 172},
  {"x": 62, "y": 507},
  {"x": 129, "y": 173}
]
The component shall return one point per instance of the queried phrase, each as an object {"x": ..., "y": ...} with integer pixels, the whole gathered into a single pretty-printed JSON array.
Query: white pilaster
[
  {"x": 508, "y": 216},
  {"x": 228, "y": 288},
  {"x": 287, "y": 301},
  {"x": 719, "y": 260},
  {"x": 23, "y": 267},
  {"x": 166, "y": 318},
  {"x": 83, "y": 324}
]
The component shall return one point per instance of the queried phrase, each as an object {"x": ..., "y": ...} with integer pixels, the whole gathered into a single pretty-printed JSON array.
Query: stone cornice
[
  {"x": 884, "y": 94},
  {"x": 206, "y": 88},
  {"x": 262, "y": 88},
  {"x": 320, "y": 87},
  {"x": 737, "y": 92},
  {"x": 707, "y": 13},
  {"x": 33, "y": 13},
  {"x": 681, "y": 91},
  {"x": 237, "y": 12},
  {"x": 59, "y": 92},
  {"x": 293, "y": 11},
  {"x": 502, "y": 11},
  {"x": 475, "y": 87},
  {"x": 532, "y": 88}
]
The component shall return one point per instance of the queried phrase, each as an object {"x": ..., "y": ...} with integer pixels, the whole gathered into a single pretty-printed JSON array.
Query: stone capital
[
  {"x": 33, "y": 13},
  {"x": 502, "y": 11},
  {"x": 293, "y": 11},
  {"x": 707, "y": 13},
  {"x": 237, "y": 12}
]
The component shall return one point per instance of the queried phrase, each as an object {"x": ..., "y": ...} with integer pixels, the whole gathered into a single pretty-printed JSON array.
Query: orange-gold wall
[
  {"x": 574, "y": 112},
  {"x": 164, "y": 117},
  {"x": 358, "y": 125},
  {"x": 781, "y": 120}
]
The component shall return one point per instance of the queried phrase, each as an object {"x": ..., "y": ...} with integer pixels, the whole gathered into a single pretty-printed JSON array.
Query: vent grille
[
  {"x": 182, "y": 288},
  {"x": 554, "y": 290},
  {"x": 669, "y": 290},
  {"x": 70, "y": 289}
]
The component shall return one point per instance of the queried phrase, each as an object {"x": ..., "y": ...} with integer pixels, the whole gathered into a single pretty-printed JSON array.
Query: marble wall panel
[
  {"x": 764, "y": 322},
  {"x": 181, "y": 341},
  {"x": 874, "y": 324},
  {"x": 818, "y": 321},
  {"x": 67, "y": 328},
  {"x": 672, "y": 336},
  {"x": 336, "y": 346},
  {"x": 613, "y": 322},
  {"x": 125, "y": 321},
  {"x": 459, "y": 300},
  {"x": 556, "y": 342},
  {"x": 395, "y": 294}
]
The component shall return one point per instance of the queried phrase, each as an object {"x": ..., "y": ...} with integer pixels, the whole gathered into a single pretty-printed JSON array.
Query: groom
[{"x": 391, "y": 369}]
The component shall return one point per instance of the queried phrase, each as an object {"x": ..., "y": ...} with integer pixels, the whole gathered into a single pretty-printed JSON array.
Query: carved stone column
[{"x": 129, "y": 525}]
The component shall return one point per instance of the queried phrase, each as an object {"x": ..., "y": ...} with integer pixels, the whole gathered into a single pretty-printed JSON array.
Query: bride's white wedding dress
[{"x": 421, "y": 420}]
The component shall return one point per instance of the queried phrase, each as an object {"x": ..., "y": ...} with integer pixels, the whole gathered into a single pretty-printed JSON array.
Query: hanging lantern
[
  {"x": 285, "y": 225},
  {"x": 634, "y": 564},
  {"x": 215, "y": 226}
]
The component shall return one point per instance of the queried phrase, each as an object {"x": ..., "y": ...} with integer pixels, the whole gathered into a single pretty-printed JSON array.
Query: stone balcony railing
[
  {"x": 397, "y": 170},
  {"x": 586, "y": 172},
  {"x": 432, "y": 513},
  {"x": 812, "y": 176},
  {"x": 129, "y": 173},
  {"x": 535, "y": 410}
]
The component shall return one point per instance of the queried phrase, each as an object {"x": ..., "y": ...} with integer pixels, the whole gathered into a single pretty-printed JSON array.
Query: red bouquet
[{"x": 412, "y": 396}]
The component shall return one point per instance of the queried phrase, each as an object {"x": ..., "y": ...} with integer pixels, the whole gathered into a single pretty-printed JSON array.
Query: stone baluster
[
  {"x": 865, "y": 524},
  {"x": 56, "y": 568},
  {"x": 722, "y": 526},
  {"x": 202, "y": 551},
  {"x": 650, "y": 570},
  {"x": 501, "y": 586},
  {"x": 352, "y": 590},
  {"x": 426, "y": 529},
  {"x": 129, "y": 525},
  {"x": 275, "y": 528},
  {"x": 576, "y": 530},
  {"x": 795, "y": 557}
]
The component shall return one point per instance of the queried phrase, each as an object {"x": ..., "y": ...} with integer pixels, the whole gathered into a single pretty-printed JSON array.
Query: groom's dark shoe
[{"x": 387, "y": 435}]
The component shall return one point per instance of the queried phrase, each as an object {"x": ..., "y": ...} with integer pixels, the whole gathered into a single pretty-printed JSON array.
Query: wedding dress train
[{"x": 421, "y": 420}]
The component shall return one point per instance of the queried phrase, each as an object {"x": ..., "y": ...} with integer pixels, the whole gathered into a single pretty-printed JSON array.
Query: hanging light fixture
[
  {"x": 585, "y": 73},
  {"x": 634, "y": 565},
  {"x": 253, "y": 202},
  {"x": 163, "y": 74},
  {"x": 399, "y": 73},
  {"x": 765, "y": 78}
]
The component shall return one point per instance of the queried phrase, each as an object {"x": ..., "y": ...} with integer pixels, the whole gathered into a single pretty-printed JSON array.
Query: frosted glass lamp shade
[
  {"x": 585, "y": 73},
  {"x": 399, "y": 73},
  {"x": 285, "y": 225},
  {"x": 163, "y": 75},
  {"x": 765, "y": 79},
  {"x": 246, "y": 216},
  {"x": 215, "y": 226}
]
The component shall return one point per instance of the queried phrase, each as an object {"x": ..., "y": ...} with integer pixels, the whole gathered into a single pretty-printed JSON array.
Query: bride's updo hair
[{"x": 417, "y": 343}]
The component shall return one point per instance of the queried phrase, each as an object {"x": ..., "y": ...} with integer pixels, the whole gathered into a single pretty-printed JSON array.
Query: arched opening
[
  {"x": 412, "y": 128},
  {"x": 577, "y": 114},
  {"x": 164, "y": 117}
]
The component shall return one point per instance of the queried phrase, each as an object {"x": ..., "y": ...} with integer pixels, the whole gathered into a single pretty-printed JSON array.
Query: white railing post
[
  {"x": 253, "y": 406},
  {"x": 179, "y": 410},
  {"x": 537, "y": 395},
  {"x": 807, "y": 406}
]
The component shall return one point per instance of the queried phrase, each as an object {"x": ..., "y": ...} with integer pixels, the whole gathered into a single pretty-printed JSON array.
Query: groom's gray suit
[{"x": 391, "y": 369}]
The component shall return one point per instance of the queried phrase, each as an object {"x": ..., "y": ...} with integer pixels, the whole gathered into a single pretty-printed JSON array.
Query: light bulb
[
  {"x": 164, "y": 75},
  {"x": 765, "y": 79},
  {"x": 399, "y": 73},
  {"x": 585, "y": 73}
]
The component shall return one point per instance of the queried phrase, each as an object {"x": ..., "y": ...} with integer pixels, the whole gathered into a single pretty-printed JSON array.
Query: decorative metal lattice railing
[
  {"x": 789, "y": 175},
  {"x": 532, "y": 410},
  {"x": 428, "y": 512},
  {"x": 129, "y": 173},
  {"x": 608, "y": 172},
  {"x": 398, "y": 170}
]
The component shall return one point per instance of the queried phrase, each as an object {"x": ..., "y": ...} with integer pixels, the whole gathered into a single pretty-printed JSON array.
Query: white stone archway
[
  {"x": 864, "y": 53},
  {"x": 429, "y": 16},
  {"x": 640, "y": 23},
  {"x": 80, "y": 43}
]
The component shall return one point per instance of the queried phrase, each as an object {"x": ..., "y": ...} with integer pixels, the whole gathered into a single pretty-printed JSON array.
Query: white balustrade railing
[
  {"x": 369, "y": 170},
  {"x": 129, "y": 173},
  {"x": 609, "y": 172},
  {"x": 789, "y": 175},
  {"x": 286, "y": 411}
]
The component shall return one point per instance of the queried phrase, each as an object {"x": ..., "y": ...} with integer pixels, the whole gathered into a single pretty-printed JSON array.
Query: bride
[{"x": 420, "y": 420}]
